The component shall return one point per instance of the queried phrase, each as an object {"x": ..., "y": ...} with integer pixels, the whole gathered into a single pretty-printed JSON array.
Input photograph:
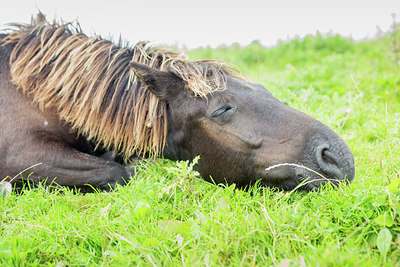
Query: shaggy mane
[{"x": 89, "y": 82}]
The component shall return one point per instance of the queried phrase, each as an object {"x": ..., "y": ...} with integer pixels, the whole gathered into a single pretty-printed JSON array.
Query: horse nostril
[
  {"x": 328, "y": 157},
  {"x": 328, "y": 162}
]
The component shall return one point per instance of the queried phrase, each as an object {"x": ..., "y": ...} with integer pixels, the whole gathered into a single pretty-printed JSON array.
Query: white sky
[{"x": 212, "y": 22}]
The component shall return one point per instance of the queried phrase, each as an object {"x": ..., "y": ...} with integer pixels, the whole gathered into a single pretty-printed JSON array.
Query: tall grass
[{"x": 168, "y": 216}]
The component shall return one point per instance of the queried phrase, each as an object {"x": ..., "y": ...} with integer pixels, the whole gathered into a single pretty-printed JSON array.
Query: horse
[{"x": 65, "y": 97}]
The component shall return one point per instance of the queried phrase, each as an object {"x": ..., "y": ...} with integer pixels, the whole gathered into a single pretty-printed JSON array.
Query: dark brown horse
[{"x": 63, "y": 95}]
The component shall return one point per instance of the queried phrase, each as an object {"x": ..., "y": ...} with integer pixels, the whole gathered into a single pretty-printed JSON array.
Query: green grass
[{"x": 169, "y": 216}]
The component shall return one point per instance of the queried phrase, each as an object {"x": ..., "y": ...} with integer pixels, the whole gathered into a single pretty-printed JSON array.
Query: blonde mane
[{"x": 88, "y": 81}]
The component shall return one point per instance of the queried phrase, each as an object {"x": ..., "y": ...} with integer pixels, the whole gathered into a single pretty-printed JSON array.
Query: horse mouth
[
  {"x": 300, "y": 182},
  {"x": 297, "y": 176}
]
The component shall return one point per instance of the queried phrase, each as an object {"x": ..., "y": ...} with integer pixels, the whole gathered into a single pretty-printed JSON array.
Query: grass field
[{"x": 169, "y": 216}]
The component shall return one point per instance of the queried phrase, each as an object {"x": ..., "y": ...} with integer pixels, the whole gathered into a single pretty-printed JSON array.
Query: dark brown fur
[{"x": 62, "y": 94}]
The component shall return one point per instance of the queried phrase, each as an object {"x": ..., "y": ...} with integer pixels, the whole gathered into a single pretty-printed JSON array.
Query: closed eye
[{"x": 223, "y": 111}]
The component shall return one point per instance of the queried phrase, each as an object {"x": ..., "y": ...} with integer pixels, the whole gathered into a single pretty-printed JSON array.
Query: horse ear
[{"x": 163, "y": 84}]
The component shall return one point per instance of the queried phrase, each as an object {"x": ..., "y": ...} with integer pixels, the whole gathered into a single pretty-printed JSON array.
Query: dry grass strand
[{"x": 295, "y": 165}]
